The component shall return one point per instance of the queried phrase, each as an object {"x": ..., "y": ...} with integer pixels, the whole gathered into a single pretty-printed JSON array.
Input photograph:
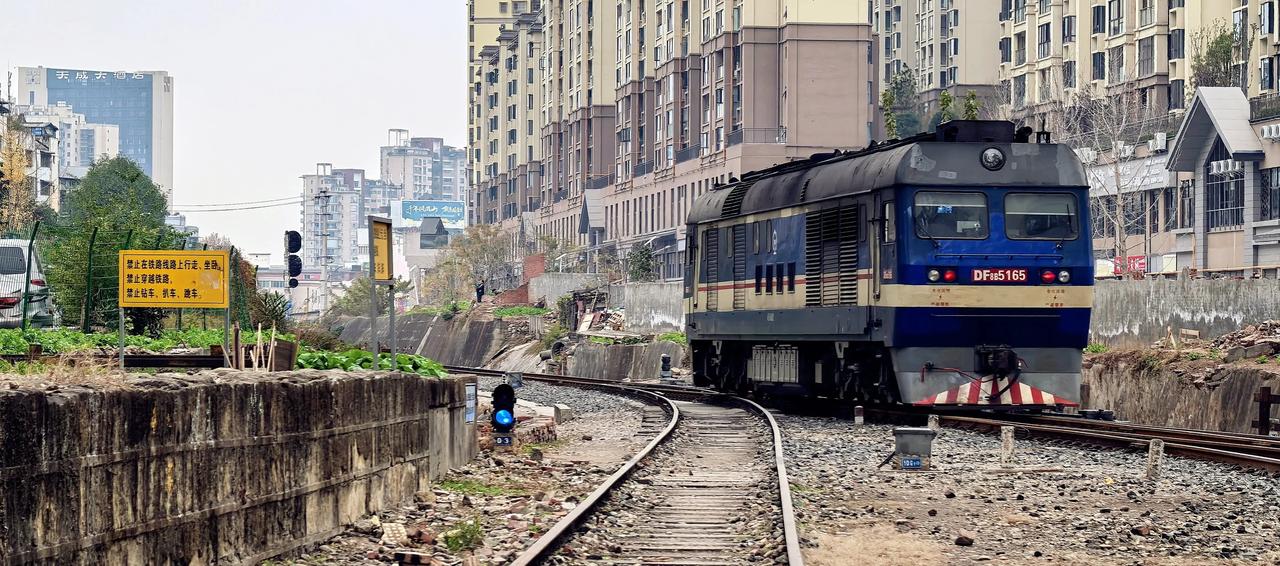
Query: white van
[{"x": 13, "y": 270}]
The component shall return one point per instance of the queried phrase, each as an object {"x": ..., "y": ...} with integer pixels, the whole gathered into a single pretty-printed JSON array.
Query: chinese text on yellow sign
[
  {"x": 380, "y": 244},
  {"x": 174, "y": 279}
]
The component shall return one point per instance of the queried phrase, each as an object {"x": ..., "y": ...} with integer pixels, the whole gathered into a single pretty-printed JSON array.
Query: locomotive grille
[
  {"x": 739, "y": 267},
  {"x": 713, "y": 267},
  {"x": 733, "y": 202},
  {"x": 831, "y": 257}
]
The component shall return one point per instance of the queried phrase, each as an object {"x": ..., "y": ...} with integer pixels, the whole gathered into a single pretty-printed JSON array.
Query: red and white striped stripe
[{"x": 981, "y": 393}]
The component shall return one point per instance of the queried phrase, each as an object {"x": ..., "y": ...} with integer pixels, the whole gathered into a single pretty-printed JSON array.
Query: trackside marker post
[
  {"x": 1006, "y": 446},
  {"x": 1155, "y": 458}
]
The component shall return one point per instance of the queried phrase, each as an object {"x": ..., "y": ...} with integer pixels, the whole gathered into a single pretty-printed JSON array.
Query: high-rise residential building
[
  {"x": 506, "y": 138},
  {"x": 425, "y": 167},
  {"x": 140, "y": 103},
  {"x": 946, "y": 45},
  {"x": 332, "y": 200},
  {"x": 645, "y": 104}
]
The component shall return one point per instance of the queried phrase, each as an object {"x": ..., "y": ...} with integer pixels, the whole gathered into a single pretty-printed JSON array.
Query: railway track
[
  {"x": 1245, "y": 450},
  {"x": 710, "y": 489}
]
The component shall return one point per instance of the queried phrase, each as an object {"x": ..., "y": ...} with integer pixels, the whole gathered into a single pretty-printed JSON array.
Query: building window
[
  {"x": 1099, "y": 19},
  {"x": 1115, "y": 60},
  {"x": 1170, "y": 209},
  {"x": 1020, "y": 48},
  {"x": 1177, "y": 44},
  {"x": 1019, "y": 91},
  {"x": 1186, "y": 203},
  {"x": 1068, "y": 74},
  {"x": 1266, "y": 73},
  {"x": 1115, "y": 17},
  {"x": 1005, "y": 52},
  {"x": 1043, "y": 40},
  {"x": 1224, "y": 192},
  {"x": 1146, "y": 56},
  {"x": 1177, "y": 94},
  {"x": 1267, "y": 18},
  {"x": 1269, "y": 194},
  {"x": 1099, "y": 65},
  {"x": 1146, "y": 12},
  {"x": 1068, "y": 29}
]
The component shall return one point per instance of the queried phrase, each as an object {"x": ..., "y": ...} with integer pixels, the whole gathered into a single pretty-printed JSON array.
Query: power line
[
  {"x": 295, "y": 197},
  {"x": 235, "y": 208}
]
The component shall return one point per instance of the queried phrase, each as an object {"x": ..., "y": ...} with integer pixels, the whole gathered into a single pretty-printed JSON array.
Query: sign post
[
  {"x": 381, "y": 273},
  {"x": 173, "y": 279}
]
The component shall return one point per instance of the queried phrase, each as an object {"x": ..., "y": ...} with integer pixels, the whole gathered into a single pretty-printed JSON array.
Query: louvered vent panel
[
  {"x": 813, "y": 259},
  {"x": 713, "y": 268},
  {"x": 739, "y": 267},
  {"x": 848, "y": 255}
]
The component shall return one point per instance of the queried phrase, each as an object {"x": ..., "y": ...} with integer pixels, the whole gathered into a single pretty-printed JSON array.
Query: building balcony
[
  {"x": 688, "y": 153},
  {"x": 642, "y": 168},
  {"x": 757, "y": 135},
  {"x": 599, "y": 181},
  {"x": 1264, "y": 107}
]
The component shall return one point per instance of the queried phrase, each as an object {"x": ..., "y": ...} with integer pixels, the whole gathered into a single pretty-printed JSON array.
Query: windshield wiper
[
  {"x": 924, "y": 225},
  {"x": 1071, "y": 228}
]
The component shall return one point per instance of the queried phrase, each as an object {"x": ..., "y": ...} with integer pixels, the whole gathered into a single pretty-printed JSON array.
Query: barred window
[
  {"x": 1186, "y": 203},
  {"x": 1269, "y": 194},
  {"x": 1170, "y": 209},
  {"x": 1224, "y": 192}
]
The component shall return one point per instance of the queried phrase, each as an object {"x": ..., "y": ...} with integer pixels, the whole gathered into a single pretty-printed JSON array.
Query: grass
[
  {"x": 1095, "y": 348},
  {"x": 473, "y": 487},
  {"x": 551, "y": 334},
  {"x": 543, "y": 446},
  {"x": 519, "y": 311},
  {"x": 465, "y": 536},
  {"x": 1193, "y": 356},
  {"x": 601, "y": 340},
  {"x": 677, "y": 337}
]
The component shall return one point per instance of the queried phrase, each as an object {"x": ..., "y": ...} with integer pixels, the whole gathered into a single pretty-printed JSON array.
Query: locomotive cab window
[
  {"x": 1041, "y": 216},
  {"x": 951, "y": 216}
]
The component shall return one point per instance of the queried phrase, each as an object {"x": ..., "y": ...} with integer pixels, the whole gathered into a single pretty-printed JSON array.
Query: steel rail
[
  {"x": 1208, "y": 451},
  {"x": 549, "y": 541}
]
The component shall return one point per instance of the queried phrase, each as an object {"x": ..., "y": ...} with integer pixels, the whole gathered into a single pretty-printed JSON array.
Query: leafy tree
[
  {"x": 355, "y": 300},
  {"x": 17, "y": 198},
  {"x": 890, "y": 117},
  {"x": 123, "y": 204},
  {"x": 484, "y": 250},
  {"x": 945, "y": 100},
  {"x": 641, "y": 263},
  {"x": 971, "y": 105},
  {"x": 905, "y": 107},
  {"x": 1213, "y": 56}
]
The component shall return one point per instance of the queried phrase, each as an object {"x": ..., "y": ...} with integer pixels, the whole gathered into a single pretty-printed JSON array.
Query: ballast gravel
[{"x": 1054, "y": 503}]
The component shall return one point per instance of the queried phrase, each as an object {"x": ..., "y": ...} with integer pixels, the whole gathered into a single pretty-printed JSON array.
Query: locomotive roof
[{"x": 916, "y": 163}]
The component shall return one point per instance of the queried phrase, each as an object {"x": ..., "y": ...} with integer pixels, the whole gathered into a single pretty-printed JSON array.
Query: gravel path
[
  {"x": 515, "y": 496},
  {"x": 1068, "y": 505}
]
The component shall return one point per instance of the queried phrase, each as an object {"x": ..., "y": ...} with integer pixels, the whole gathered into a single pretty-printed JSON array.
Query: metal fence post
[
  {"x": 391, "y": 324},
  {"x": 26, "y": 285},
  {"x": 87, "y": 307}
]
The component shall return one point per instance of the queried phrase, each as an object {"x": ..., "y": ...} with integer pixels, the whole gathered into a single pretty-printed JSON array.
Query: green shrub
[
  {"x": 519, "y": 311},
  {"x": 465, "y": 536},
  {"x": 551, "y": 334},
  {"x": 677, "y": 337},
  {"x": 62, "y": 340},
  {"x": 601, "y": 340},
  {"x": 319, "y": 337},
  {"x": 356, "y": 359},
  {"x": 1095, "y": 348}
]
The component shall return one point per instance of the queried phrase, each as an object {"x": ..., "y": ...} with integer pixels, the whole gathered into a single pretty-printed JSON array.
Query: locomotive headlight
[
  {"x": 1064, "y": 276},
  {"x": 992, "y": 159},
  {"x": 934, "y": 276}
]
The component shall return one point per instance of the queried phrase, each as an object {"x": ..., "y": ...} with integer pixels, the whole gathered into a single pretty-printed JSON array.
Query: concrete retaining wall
[
  {"x": 460, "y": 341},
  {"x": 552, "y": 286},
  {"x": 650, "y": 307},
  {"x": 1224, "y": 401},
  {"x": 617, "y": 361},
  {"x": 219, "y": 467},
  {"x": 1137, "y": 313}
]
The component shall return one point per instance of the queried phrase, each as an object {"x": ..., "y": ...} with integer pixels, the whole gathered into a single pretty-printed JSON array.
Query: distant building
[
  {"x": 80, "y": 142},
  {"x": 179, "y": 224},
  {"x": 426, "y": 168},
  {"x": 44, "y": 165},
  {"x": 331, "y": 205},
  {"x": 140, "y": 103}
]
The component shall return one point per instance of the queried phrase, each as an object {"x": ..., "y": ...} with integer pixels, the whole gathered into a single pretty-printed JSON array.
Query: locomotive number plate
[
  {"x": 999, "y": 275},
  {"x": 911, "y": 463}
]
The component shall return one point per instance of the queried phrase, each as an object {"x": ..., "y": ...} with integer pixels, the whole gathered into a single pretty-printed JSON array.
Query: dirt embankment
[{"x": 1193, "y": 385}]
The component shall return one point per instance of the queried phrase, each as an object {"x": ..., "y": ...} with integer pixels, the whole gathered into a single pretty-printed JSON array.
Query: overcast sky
[{"x": 265, "y": 89}]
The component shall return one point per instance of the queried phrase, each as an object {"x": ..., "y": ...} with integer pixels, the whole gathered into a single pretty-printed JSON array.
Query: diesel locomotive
[{"x": 950, "y": 268}]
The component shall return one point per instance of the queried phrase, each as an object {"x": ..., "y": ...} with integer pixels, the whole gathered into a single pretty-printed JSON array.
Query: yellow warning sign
[
  {"x": 380, "y": 248},
  {"x": 196, "y": 279}
]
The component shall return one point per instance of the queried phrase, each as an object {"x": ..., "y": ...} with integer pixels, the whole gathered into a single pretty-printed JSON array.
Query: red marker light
[
  {"x": 1048, "y": 276},
  {"x": 8, "y": 302},
  {"x": 949, "y": 276},
  {"x": 39, "y": 282}
]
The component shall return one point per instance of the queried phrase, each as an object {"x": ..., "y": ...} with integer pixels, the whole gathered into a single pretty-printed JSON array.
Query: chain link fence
[{"x": 52, "y": 276}]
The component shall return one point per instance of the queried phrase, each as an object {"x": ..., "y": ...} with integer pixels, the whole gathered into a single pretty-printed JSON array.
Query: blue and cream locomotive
[{"x": 950, "y": 268}]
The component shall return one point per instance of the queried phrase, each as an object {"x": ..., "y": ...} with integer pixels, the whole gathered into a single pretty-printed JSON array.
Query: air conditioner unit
[
  {"x": 1271, "y": 132},
  {"x": 1157, "y": 143},
  {"x": 1087, "y": 155},
  {"x": 1124, "y": 150}
]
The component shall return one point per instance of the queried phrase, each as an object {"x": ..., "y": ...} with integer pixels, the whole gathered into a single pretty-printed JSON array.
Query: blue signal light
[{"x": 504, "y": 417}]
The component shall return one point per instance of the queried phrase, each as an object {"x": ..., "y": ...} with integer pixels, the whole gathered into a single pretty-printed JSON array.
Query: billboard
[{"x": 410, "y": 213}]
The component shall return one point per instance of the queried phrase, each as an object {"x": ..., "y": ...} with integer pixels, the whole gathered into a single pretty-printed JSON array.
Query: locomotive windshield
[
  {"x": 1040, "y": 216},
  {"x": 948, "y": 215}
]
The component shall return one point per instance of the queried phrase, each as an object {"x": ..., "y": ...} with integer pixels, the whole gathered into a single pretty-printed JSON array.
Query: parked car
[{"x": 13, "y": 270}]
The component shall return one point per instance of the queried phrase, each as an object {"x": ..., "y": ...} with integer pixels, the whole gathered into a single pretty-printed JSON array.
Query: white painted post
[
  {"x": 1006, "y": 446},
  {"x": 858, "y": 415},
  {"x": 1155, "y": 458}
]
